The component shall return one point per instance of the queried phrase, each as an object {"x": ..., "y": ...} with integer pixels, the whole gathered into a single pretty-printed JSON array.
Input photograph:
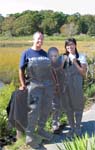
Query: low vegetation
[
  {"x": 11, "y": 49},
  {"x": 79, "y": 143},
  {"x": 5, "y": 95}
]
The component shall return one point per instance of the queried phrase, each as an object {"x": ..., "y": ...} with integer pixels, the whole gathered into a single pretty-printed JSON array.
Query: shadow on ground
[{"x": 87, "y": 127}]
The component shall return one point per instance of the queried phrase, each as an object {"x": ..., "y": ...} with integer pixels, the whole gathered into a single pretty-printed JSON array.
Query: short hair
[
  {"x": 53, "y": 49},
  {"x": 36, "y": 33}
]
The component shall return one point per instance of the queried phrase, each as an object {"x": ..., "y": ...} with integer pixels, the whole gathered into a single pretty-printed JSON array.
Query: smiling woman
[{"x": 75, "y": 68}]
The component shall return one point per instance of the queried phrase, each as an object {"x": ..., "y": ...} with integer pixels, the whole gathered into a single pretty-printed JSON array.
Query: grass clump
[{"x": 78, "y": 143}]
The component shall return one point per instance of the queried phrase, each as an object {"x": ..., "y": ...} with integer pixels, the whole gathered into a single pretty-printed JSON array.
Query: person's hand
[
  {"x": 72, "y": 57},
  {"x": 22, "y": 87},
  {"x": 65, "y": 57}
]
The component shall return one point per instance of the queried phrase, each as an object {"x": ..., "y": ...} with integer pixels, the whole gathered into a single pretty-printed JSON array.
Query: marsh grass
[{"x": 11, "y": 49}]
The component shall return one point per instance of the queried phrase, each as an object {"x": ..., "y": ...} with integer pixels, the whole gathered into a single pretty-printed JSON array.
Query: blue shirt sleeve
[{"x": 22, "y": 60}]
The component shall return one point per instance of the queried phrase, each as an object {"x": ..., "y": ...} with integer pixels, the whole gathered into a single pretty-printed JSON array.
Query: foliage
[
  {"x": 90, "y": 78},
  {"x": 82, "y": 26},
  {"x": 5, "y": 94},
  {"x": 89, "y": 82},
  {"x": 48, "y": 21},
  {"x": 27, "y": 24},
  {"x": 63, "y": 120},
  {"x": 91, "y": 30},
  {"x": 19, "y": 145},
  {"x": 52, "y": 21},
  {"x": 1, "y": 20},
  {"x": 90, "y": 91},
  {"x": 78, "y": 143},
  {"x": 69, "y": 29}
]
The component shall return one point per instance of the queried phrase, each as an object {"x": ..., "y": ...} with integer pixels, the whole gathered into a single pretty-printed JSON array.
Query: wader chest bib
[
  {"x": 40, "y": 91},
  {"x": 72, "y": 89},
  {"x": 38, "y": 69}
]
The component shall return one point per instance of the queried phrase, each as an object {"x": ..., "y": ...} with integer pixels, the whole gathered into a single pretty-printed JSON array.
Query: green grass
[
  {"x": 5, "y": 95},
  {"x": 19, "y": 145},
  {"x": 81, "y": 37},
  {"x": 78, "y": 143},
  {"x": 11, "y": 49}
]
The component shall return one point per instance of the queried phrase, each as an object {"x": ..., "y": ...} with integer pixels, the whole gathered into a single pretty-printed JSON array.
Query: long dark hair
[{"x": 67, "y": 43}]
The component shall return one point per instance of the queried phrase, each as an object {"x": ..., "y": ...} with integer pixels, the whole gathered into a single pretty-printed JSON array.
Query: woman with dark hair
[{"x": 75, "y": 67}]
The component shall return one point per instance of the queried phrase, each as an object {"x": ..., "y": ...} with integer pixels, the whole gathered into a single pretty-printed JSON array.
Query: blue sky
[{"x": 66, "y": 6}]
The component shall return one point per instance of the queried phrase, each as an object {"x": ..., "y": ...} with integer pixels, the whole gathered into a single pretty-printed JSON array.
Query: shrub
[
  {"x": 5, "y": 94},
  {"x": 90, "y": 90}
]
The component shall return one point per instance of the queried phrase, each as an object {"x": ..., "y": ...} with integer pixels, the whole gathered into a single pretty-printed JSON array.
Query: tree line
[{"x": 47, "y": 21}]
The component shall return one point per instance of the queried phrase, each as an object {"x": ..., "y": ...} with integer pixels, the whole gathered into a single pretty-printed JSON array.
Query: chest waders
[
  {"x": 58, "y": 98},
  {"x": 17, "y": 115},
  {"x": 40, "y": 93},
  {"x": 73, "y": 97}
]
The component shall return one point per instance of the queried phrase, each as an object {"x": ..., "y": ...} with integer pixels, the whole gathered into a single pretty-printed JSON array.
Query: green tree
[
  {"x": 60, "y": 19},
  {"x": 7, "y": 25},
  {"x": 91, "y": 30},
  {"x": 27, "y": 23},
  {"x": 73, "y": 18},
  {"x": 49, "y": 22},
  {"x": 70, "y": 26},
  {"x": 1, "y": 20},
  {"x": 82, "y": 26}
]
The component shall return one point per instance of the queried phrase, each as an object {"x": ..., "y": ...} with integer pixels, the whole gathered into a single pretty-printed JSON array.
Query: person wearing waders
[
  {"x": 35, "y": 63},
  {"x": 74, "y": 70},
  {"x": 57, "y": 63}
]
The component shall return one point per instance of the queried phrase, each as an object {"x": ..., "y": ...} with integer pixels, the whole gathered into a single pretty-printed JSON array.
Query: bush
[
  {"x": 89, "y": 81},
  {"x": 89, "y": 92},
  {"x": 5, "y": 94}
]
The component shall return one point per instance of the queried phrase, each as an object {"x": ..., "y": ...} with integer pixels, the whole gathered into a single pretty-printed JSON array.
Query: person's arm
[
  {"x": 22, "y": 79},
  {"x": 22, "y": 71},
  {"x": 82, "y": 69}
]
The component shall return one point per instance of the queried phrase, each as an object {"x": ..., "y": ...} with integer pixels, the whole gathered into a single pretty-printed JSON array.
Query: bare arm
[
  {"x": 22, "y": 79},
  {"x": 63, "y": 61},
  {"x": 82, "y": 69}
]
